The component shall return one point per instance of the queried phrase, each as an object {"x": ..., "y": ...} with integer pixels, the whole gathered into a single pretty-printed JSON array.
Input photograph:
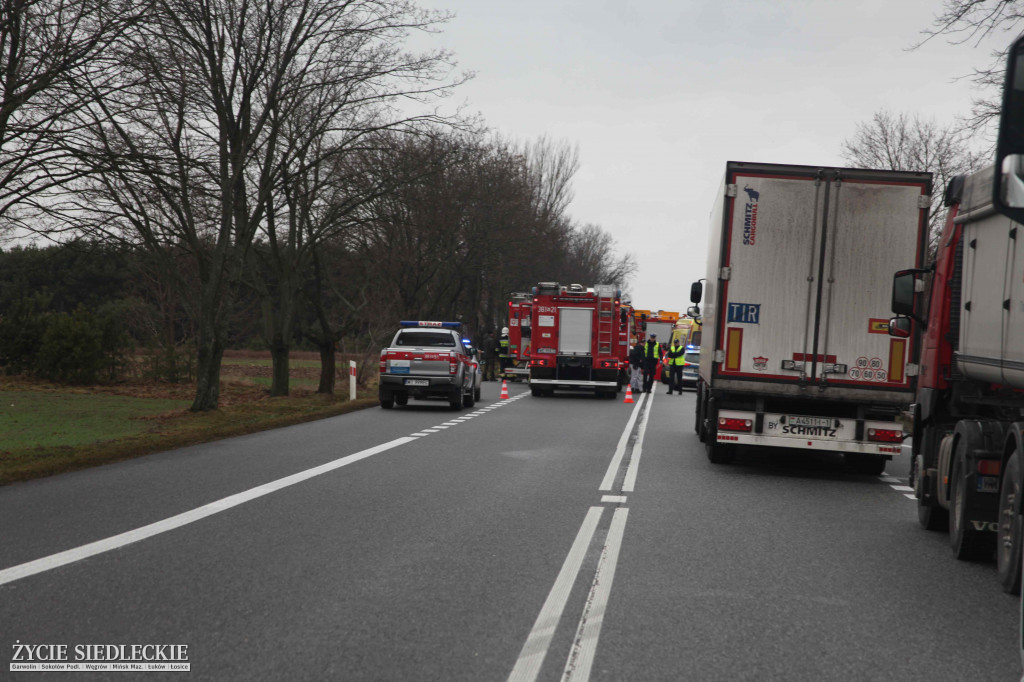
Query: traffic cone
[
  {"x": 504, "y": 390},
  {"x": 629, "y": 394}
]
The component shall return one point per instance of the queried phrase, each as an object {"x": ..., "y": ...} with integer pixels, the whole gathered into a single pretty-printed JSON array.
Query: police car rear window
[
  {"x": 692, "y": 357},
  {"x": 422, "y": 339}
]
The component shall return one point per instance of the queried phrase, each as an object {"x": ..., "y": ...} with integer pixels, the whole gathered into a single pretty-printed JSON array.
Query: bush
[
  {"x": 72, "y": 348},
  {"x": 21, "y": 333}
]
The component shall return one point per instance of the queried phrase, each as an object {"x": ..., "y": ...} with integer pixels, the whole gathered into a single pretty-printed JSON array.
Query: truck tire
[
  {"x": 930, "y": 516},
  {"x": 401, "y": 398},
  {"x": 1008, "y": 538},
  {"x": 387, "y": 400},
  {"x": 535, "y": 391},
  {"x": 457, "y": 399},
  {"x": 967, "y": 542},
  {"x": 471, "y": 398},
  {"x": 476, "y": 394}
]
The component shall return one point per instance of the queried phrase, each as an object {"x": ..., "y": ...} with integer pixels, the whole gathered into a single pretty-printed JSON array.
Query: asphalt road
[{"x": 526, "y": 539}]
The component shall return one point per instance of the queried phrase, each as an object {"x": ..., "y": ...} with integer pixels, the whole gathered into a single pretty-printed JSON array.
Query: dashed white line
[
  {"x": 902, "y": 488},
  {"x": 615, "y": 499}
]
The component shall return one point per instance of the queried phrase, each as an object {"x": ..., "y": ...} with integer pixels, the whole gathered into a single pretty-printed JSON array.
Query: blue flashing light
[
  {"x": 692, "y": 347},
  {"x": 427, "y": 323},
  {"x": 467, "y": 342}
]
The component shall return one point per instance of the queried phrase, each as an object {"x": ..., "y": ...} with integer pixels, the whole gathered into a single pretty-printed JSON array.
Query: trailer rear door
[
  {"x": 810, "y": 259},
  {"x": 574, "y": 331}
]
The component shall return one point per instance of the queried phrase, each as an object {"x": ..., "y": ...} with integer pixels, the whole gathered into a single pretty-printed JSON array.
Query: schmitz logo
[{"x": 750, "y": 216}]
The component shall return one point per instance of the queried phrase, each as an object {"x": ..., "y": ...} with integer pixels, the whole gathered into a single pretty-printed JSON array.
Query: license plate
[
  {"x": 824, "y": 422},
  {"x": 399, "y": 370},
  {"x": 417, "y": 382}
]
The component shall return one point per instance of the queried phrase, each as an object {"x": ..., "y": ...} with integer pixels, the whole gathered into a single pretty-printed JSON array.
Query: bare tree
[
  {"x": 47, "y": 47},
  {"x": 195, "y": 142},
  {"x": 969, "y": 22},
  {"x": 904, "y": 143}
]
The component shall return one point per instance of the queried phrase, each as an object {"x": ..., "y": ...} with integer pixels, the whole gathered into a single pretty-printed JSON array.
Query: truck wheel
[
  {"x": 387, "y": 400},
  {"x": 471, "y": 398},
  {"x": 931, "y": 516},
  {"x": 1008, "y": 538},
  {"x": 720, "y": 454},
  {"x": 967, "y": 542},
  {"x": 401, "y": 399},
  {"x": 458, "y": 399},
  {"x": 535, "y": 391},
  {"x": 476, "y": 394}
]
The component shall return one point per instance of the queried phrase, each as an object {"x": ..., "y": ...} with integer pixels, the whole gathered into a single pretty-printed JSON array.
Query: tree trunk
[
  {"x": 210, "y": 354},
  {"x": 279, "y": 352},
  {"x": 327, "y": 368}
]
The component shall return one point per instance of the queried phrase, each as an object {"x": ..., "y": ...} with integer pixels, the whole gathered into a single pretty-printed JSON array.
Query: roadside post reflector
[{"x": 351, "y": 379}]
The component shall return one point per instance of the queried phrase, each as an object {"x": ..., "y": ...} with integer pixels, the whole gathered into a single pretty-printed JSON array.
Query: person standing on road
[
  {"x": 636, "y": 365},
  {"x": 652, "y": 355},
  {"x": 674, "y": 363},
  {"x": 489, "y": 348},
  {"x": 503, "y": 357}
]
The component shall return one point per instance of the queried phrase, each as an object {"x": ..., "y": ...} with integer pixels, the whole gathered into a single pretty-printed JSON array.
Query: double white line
[{"x": 581, "y": 656}]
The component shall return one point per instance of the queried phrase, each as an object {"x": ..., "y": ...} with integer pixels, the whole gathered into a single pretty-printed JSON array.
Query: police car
[{"x": 427, "y": 360}]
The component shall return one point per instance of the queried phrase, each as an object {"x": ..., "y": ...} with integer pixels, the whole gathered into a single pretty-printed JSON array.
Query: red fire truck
[
  {"x": 518, "y": 337},
  {"x": 579, "y": 337}
]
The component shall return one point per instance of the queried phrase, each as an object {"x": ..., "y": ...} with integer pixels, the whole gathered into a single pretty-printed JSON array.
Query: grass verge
[{"x": 49, "y": 430}]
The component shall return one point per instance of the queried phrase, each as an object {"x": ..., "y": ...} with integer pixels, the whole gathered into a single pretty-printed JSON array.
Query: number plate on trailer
[
  {"x": 988, "y": 484},
  {"x": 824, "y": 422},
  {"x": 417, "y": 382}
]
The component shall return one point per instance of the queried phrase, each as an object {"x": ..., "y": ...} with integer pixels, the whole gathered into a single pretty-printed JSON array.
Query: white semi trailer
[{"x": 796, "y": 351}]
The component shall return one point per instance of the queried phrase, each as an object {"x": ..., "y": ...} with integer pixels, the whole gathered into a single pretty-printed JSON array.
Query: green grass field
[{"x": 45, "y": 419}]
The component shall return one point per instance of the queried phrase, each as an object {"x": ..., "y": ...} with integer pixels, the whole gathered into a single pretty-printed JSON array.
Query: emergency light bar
[{"x": 426, "y": 323}]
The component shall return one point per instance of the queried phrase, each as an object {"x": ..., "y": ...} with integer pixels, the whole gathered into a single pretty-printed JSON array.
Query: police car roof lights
[{"x": 427, "y": 323}]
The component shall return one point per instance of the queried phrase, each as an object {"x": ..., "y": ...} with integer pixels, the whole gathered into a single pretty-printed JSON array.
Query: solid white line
[
  {"x": 100, "y": 546},
  {"x": 618, "y": 499},
  {"x": 902, "y": 488},
  {"x": 629, "y": 481},
  {"x": 620, "y": 449},
  {"x": 536, "y": 647},
  {"x": 581, "y": 657}
]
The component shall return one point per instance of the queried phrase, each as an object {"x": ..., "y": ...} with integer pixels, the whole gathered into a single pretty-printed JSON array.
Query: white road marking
[
  {"x": 430, "y": 430},
  {"x": 910, "y": 497},
  {"x": 419, "y": 435},
  {"x": 440, "y": 427},
  {"x": 617, "y": 499},
  {"x": 536, "y": 647},
  {"x": 620, "y": 449},
  {"x": 902, "y": 488},
  {"x": 629, "y": 481},
  {"x": 581, "y": 657},
  {"x": 53, "y": 561},
  {"x": 888, "y": 479}
]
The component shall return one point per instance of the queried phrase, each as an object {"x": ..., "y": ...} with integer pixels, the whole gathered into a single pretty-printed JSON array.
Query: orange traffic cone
[
  {"x": 629, "y": 394},
  {"x": 504, "y": 390}
]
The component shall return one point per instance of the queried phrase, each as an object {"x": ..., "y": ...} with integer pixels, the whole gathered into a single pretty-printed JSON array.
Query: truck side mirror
[
  {"x": 1008, "y": 188},
  {"x": 696, "y": 292},
  {"x": 900, "y": 327},
  {"x": 903, "y": 285},
  {"x": 694, "y": 312}
]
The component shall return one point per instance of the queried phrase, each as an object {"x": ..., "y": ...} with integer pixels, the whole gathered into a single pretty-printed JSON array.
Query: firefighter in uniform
[
  {"x": 503, "y": 350},
  {"x": 675, "y": 360},
  {"x": 652, "y": 355}
]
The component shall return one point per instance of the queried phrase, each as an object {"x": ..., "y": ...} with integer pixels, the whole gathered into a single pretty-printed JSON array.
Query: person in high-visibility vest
[
  {"x": 675, "y": 359},
  {"x": 652, "y": 356},
  {"x": 503, "y": 349}
]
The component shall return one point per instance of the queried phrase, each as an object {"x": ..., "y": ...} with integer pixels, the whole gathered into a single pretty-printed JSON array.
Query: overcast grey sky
[{"x": 659, "y": 94}]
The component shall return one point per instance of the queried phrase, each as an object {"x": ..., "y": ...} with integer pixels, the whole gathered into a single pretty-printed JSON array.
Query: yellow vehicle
[{"x": 688, "y": 331}]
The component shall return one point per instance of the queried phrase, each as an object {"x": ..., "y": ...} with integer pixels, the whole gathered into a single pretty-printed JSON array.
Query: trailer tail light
[
  {"x": 989, "y": 467},
  {"x": 729, "y": 424},
  {"x": 453, "y": 363},
  {"x": 885, "y": 435},
  {"x": 609, "y": 363},
  {"x": 383, "y": 362}
]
